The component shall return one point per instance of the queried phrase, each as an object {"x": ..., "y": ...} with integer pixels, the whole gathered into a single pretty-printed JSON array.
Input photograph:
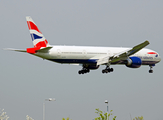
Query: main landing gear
[
  {"x": 151, "y": 71},
  {"x": 107, "y": 70},
  {"x": 83, "y": 71}
]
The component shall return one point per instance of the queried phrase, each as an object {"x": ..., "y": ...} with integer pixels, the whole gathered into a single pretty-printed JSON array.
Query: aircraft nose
[{"x": 159, "y": 58}]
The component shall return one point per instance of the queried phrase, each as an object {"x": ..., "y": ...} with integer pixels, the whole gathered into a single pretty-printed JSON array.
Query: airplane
[{"x": 90, "y": 57}]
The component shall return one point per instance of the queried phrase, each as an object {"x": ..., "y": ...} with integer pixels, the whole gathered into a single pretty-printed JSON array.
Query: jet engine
[{"x": 133, "y": 62}]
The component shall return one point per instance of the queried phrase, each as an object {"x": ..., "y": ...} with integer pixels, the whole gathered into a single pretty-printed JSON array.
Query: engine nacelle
[
  {"x": 91, "y": 67},
  {"x": 134, "y": 62}
]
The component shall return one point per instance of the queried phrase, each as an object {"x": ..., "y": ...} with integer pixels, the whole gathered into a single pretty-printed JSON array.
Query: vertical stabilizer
[{"x": 36, "y": 35}]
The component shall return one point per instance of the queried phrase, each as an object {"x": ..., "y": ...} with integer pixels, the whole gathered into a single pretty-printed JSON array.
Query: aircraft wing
[{"x": 122, "y": 55}]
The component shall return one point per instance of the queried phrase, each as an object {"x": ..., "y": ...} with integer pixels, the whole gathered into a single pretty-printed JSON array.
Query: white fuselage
[{"x": 90, "y": 55}]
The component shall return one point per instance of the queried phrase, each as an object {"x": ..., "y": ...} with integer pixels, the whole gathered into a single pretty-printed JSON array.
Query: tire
[
  {"x": 82, "y": 71},
  {"x": 103, "y": 71},
  {"x": 150, "y": 71},
  {"x": 111, "y": 69},
  {"x": 106, "y": 71}
]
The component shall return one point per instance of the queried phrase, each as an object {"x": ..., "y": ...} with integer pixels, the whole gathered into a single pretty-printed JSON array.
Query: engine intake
[{"x": 133, "y": 62}]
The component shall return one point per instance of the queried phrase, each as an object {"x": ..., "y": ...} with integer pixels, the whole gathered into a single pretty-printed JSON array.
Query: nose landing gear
[{"x": 151, "y": 71}]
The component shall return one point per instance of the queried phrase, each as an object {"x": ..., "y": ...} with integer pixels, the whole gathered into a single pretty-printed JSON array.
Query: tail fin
[{"x": 36, "y": 35}]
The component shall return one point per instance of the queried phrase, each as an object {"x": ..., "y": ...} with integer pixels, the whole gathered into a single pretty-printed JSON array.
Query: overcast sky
[{"x": 26, "y": 81}]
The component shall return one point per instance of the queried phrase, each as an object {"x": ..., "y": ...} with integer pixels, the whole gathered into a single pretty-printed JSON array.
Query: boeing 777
[{"x": 90, "y": 57}]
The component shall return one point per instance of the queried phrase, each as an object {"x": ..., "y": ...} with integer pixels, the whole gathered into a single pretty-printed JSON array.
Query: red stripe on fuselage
[
  {"x": 152, "y": 53},
  {"x": 32, "y": 26}
]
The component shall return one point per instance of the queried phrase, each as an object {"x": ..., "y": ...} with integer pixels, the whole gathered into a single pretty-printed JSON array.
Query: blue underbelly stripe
[{"x": 90, "y": 61}]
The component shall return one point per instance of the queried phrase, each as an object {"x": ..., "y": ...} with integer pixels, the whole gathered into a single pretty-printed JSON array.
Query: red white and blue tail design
[{"x": 38, "y": 39}]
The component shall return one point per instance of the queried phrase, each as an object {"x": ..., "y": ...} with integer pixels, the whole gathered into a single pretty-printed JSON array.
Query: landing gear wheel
[
  {"x": 79, "y": 72},
  {"x": 107, "y": 70},
  {"x": 150, "y": 71},
  {"x": 83, "y": 71},
  {"x": 111, "y": 69}
]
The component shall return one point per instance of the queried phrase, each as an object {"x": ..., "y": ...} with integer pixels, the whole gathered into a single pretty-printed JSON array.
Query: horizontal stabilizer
[
  {"x": 12, "y": 49},
  {"x": 44, "y": 50}
]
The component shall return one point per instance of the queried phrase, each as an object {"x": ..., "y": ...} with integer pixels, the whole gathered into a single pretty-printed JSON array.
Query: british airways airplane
[{"x": 90, "y": 57}]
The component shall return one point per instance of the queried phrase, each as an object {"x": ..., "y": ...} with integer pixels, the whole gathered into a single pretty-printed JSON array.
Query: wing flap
[{"x": 103, "y": 60}]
